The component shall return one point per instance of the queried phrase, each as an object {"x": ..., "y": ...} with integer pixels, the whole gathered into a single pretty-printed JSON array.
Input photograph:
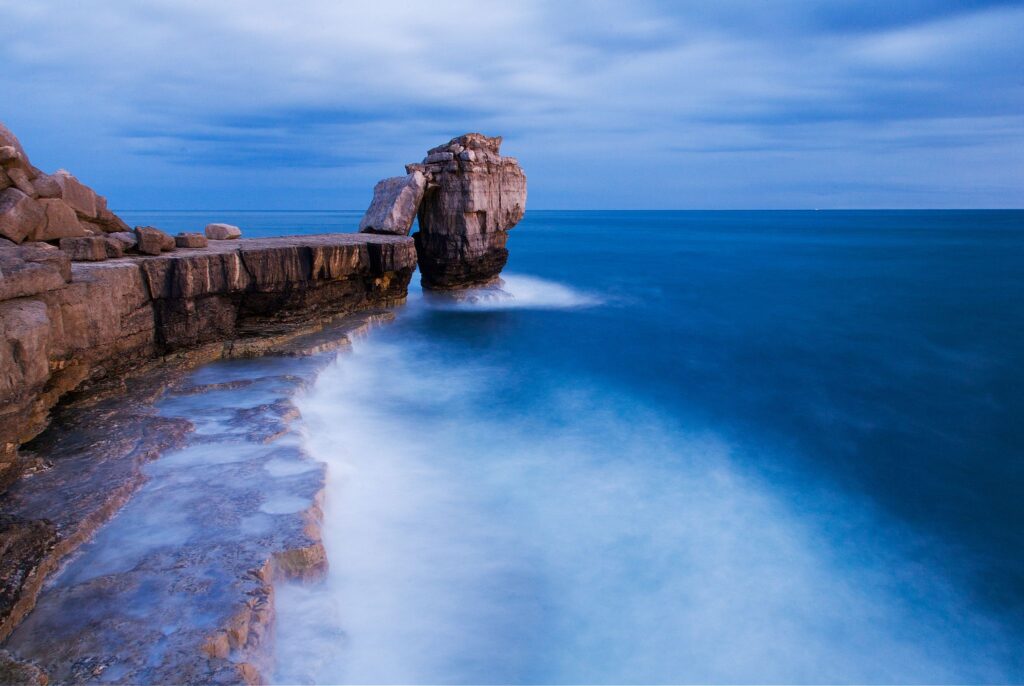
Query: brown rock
[
  {"x": 127, "y": 239},
  {"x": 470, "y": 204},
  {"x": 8, "y": 138},
  {"x": 20, "y": 215},
  {"x": 20, "y": 179},
  {"x": 21, "y": 672},
  {"x": 85, "y": 249},
  {"x": 107, "y": 221},
  {"x": 81, "y": 198},
  {"x": 46, "y": 186},
  {"x": 113, "y": 246},
  {"x": 191, "y": 240},
  {"x": 60, "y": 221},
  {"x": 222, "y": 232},
  {"x": 8, "y": 154},
  {"x": 394, "y": 206},
  {"x": 30, "y": 269},
  {"x": 5, "y": 181},
  {"x": 151, "y": 240}
]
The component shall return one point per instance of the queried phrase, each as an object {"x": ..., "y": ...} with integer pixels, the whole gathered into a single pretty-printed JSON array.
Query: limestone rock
[
  {"x": 222, "y": 232},
  {"x": 114, "y": 247},
  {"x": 474, "y": 196},
  {"x": 20, "y": 215},
  {"x": 191, "y": 240},
  {"x": 46, "y": 186},
  {"x": 85, "y": 249},
  {"x": 60, "y": 221},
  {"x": 395, "y": 203},
  {"x": 152, "y": 241},
  {"x": 30, "y": 269},
  {"x": 19, "y": 177},
  {"x": 7, "y": 138},
  {"x": 127, "y": 239},
  {"x": 81, "y": 198}
]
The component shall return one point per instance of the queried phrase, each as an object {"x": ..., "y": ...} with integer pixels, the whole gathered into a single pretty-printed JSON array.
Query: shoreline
[
  {"x": 87, "y": 337},
  {"x": 240, "y": 645}
]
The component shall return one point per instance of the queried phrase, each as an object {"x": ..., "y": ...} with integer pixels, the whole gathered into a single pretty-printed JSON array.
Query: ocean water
[{"x": 678, "y": 447}]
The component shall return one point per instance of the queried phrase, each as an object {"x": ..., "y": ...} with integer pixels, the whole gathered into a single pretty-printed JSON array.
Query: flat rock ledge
[
  {"x": 74, "y": 335},
  {"x": 175, "y": 559},
  {"x": 67, "y": 327}
]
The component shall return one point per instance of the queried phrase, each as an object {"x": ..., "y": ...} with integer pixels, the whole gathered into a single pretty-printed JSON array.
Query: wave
[
  {"x": 513, "y": 292},
  {"x": 577, "y": 536}
]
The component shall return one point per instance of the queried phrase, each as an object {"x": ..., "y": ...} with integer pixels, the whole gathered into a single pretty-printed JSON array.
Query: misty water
[{"x": 680, "y": 447}]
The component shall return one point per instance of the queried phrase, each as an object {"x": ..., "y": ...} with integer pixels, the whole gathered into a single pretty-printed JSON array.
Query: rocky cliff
[
  {"x": 466, "y": 197},
  {"x": 67, "y": 326}
]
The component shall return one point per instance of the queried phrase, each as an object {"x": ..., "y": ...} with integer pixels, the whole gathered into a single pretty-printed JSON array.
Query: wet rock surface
[{"x": 178, "y": 586}]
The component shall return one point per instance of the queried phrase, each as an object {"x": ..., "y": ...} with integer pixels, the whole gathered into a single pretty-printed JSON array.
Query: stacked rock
[
  {"x": 59, "y": 209},
  {"x": 466, "y": 197},
  {"x": 35, "y": 206}
]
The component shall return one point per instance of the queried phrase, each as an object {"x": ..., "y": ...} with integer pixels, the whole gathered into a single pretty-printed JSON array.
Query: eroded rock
[
  {"x": 59, "y": 221},
  {"x": 85, "y": 249},
  {"x": 395, "y": 203},
  {"x": 222, "y": 232},
  {"x": 152, "y": 241},
  {"x": 471, "y": 202},
  {"x": 466, "y": 197},
  {"x": 191, "y": 240},
  {"x": 66, "y": 208},
  {"x": 20, "y": 215}
]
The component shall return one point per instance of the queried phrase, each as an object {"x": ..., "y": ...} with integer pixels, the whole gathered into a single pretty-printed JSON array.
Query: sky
[{"x": 264, "y": 104}]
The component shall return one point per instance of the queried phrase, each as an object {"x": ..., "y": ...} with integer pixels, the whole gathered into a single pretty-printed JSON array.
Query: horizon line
[{"x": 764, "y": 209}]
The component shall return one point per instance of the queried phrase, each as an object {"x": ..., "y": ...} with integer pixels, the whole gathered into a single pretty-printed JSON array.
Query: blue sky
[{"x": 303, "y": 105}]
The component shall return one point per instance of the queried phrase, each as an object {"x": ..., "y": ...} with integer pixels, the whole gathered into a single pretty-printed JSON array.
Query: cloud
[{"x": 131, "y": 94}]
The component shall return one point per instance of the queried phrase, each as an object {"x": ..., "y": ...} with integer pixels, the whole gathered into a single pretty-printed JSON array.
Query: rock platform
[{"x": 178, "y": 587}]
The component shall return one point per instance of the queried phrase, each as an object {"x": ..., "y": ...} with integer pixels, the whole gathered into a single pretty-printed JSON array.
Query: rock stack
[
  {"x": 35, "y": 206},
  {"x": 466, "y": 197}
]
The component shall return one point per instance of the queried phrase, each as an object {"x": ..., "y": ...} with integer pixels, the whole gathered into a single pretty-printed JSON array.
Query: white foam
[
  {"x": 588, "y": 540},
  {"x": 514, "y": 292}
]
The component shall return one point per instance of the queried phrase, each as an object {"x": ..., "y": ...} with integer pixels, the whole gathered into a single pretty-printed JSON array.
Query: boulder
[
  {"x": 191, "y": 240},
  {"x": 7, "y": 138},
  {"x": 113, "y": 246},
  {"x": 85, "y": 249},
  {"x": 473, "y": 197},
  {"x": 60, "y": 221},
  {"x": 19, "y": 177},
  {"x": 127, "y": 239},
  {"x": 20, "y": 215},
  {"x": 222, "y": 232},
  {"x": 5, "y": 181},
  {"x": 152, "y": 241},
  {"x": 81, "y": 198},
  {"x": 395, "y": 203},
  {"x": 46, "y": 186}
]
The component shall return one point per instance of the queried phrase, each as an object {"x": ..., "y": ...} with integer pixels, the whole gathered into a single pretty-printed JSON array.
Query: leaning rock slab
[
  {"x": 222, "y": 232},
  {"x": 60, "y": 221},
  {"x": 395, "y": 203},
  {"x": 20, "y": 215}
]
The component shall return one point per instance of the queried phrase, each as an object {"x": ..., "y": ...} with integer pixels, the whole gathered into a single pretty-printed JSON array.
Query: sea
[{"x": 677, "y": 447}]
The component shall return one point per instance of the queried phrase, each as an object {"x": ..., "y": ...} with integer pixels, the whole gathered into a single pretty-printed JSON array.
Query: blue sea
[{"x": 678, "y": 447}]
